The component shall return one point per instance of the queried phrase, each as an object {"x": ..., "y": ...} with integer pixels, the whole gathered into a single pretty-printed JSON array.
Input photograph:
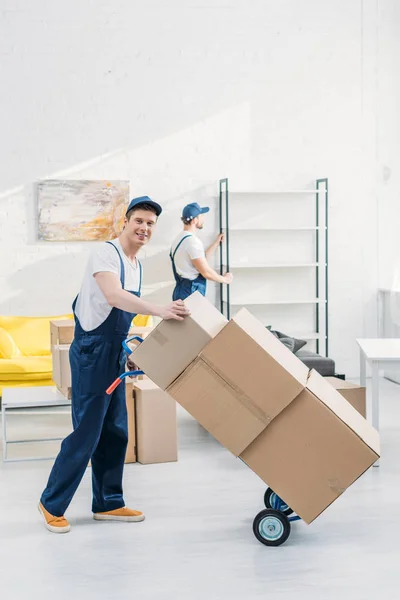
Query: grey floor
[{"x": 197, "y": 540}]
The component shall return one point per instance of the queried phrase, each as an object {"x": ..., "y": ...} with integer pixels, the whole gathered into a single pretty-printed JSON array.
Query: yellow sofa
[{"x": 25, "y": 354}]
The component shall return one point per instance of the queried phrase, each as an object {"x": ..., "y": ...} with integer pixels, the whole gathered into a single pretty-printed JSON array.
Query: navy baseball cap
[
  {"x": 144, "y": 200},
  {"x": 194, "y": 210}
]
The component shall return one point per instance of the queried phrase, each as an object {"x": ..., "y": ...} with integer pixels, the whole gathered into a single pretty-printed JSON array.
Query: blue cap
[
  {"x": 193, "y": 210},
  {"x": 144, "y": 200}
]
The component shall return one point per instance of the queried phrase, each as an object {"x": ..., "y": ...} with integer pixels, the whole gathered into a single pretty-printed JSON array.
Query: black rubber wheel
[
  {"x": 271, "y": 527},
  {"x": 271, "y": 501}
]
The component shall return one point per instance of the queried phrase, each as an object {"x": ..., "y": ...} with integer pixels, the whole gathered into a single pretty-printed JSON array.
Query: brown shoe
[
  {"x": 120, "y": 514},
  {"x": 54, "y": 524}
]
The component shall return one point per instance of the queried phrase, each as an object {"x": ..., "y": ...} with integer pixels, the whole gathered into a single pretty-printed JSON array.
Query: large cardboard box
[
  {"x": 61, "y": 336},
  {"x": 240, "y": 382},
  {"x": 314, "y": 450},
  {"x": 61, "y": 331},
  {"x": 173, "y": 345},
  {"x": 61, "y": 366},
  {"x": 156, "y": 428},
  {"x": 291, "y": 427},
  {"x": 355, "y": 394}
]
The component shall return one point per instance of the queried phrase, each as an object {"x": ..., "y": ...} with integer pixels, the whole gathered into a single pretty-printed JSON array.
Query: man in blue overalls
[
  {"x": 189, "y": 259},
  {"x": 107, "y": 302}
]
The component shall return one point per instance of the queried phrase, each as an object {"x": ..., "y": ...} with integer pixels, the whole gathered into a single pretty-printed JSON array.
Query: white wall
[
  {"x": 173, "y": 95},
  {"x": 388, "y": 147}
]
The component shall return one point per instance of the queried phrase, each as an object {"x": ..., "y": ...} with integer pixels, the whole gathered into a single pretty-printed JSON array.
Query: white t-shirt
[
  {"x": 92, "y": 308},
  {"x": 189, "y": 250}
]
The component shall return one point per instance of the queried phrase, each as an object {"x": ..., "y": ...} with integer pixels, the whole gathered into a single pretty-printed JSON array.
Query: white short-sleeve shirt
[
  {"x": 92, "y": 308},
  {"x": 190, "y": 249}
]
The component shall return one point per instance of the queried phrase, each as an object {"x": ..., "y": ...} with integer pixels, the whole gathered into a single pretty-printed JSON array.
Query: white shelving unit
[{"x": 276, "y": 245}]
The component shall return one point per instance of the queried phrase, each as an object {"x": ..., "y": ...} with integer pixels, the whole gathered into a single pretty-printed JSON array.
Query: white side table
[
  {"x": 28, "y": 397},
  {"x": 380, "y": 354}
]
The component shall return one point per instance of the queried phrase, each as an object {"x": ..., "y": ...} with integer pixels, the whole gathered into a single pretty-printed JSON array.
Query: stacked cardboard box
[
  {"x": 355, "y": 394},
  {"x": 152, "y": 432},
  {"x": 289, "y": 425},
  {"x": 156, "y": 431},
  {"x": 61, "y": 336}
]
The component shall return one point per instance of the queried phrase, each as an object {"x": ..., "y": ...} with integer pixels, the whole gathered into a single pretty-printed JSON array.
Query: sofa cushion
[
  {"x": 294, "y": 344},
  {"x": 8, "y": 348},
  {"x": 323, "y": 364},
  {"x": 30, "y": 334},
  {"x": 25, "y": 368}
]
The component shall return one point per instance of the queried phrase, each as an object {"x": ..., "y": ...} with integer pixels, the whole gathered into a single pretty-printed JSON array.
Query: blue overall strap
[
  {"x": 140, "y": 277},
  {"x": 182, "y": 240},
  {"x": 122, "y": 277}
]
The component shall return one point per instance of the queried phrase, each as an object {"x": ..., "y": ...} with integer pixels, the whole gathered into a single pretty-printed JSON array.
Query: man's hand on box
[{"x": 131, "y": 365}]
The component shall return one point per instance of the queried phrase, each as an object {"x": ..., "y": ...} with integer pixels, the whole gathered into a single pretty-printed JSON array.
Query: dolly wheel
[
  {"x": 271, "y": 527},
  {"x": 272, "y": 500}
]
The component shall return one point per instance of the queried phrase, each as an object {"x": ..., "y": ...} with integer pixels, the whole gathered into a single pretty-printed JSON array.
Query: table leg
[
  {"x": 363, "y": 369},
  {"x": 4, "y": 432},
  {"x": 375, "y": 398}
]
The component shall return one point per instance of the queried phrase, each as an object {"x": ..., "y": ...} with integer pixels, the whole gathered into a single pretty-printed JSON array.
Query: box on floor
[
  {"x": 260, "y": 401},
  {"x": 355, "y": 394},
  {"x": 156, "y": 428}
]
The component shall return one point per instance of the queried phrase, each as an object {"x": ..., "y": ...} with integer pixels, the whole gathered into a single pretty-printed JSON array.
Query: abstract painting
[{"x": 76, "y": 211}]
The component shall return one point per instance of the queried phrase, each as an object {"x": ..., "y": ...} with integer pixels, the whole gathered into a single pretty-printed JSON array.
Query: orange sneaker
[
  {"x": 119, "y": 514},
  {"x": 54, "y": 524}
]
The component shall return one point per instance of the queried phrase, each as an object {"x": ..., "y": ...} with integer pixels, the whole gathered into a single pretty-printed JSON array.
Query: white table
[
  {"x": 380, "y": 354},
  {"x": 28, "y": 397}
]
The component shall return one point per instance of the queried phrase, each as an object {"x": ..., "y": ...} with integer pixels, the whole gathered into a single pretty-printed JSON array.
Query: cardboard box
[
  {"x": 61, "y": 331},
  {"x": 61, "y": 366},
  {"x": 314, "y": 450},
  {"x": 355, "y": 394},
  {"x": 240, "y": 382},
  {"x": 173, "y": 345},
  {"x": 130, "y": 456},
  {"x": 291, "y": 427},
  {"x": 156, "y": 429}
]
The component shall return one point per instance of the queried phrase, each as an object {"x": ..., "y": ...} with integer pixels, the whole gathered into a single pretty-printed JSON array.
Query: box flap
[
  {"x": 349, "y": 415},
  {"x": 206, "y": 316}
]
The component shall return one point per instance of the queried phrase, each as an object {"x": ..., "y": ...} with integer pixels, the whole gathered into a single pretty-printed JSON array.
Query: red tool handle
[{"x": 114, "y": 385}]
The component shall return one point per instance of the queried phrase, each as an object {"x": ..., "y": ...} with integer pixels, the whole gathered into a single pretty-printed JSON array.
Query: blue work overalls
[
  {"x": 184, "y": 287},
  {"x": 100, "y": 431}
]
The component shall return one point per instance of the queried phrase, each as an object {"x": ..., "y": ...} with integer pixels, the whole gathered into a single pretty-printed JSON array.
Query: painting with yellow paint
[{"x": 79, "y": 211}]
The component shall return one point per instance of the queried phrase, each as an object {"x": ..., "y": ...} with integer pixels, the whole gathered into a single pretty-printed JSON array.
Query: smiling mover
[{"x": 107, "y": 302}]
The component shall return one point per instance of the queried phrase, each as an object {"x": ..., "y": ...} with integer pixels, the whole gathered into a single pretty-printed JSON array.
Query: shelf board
[
  {"x": 272, "y": 302},
  {"x": 276, "y": 192},
  {"x": 274, "y": 229},
  {"x": 270, "y": 266},
  {"x": 309, "y": 336}
]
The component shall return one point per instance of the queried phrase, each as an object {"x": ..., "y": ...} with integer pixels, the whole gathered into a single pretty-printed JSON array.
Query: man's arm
[
  {"x": 117, "y": 297},
  {"x": 211, "y": 249},
  {"x": 202, "y": 266}
]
